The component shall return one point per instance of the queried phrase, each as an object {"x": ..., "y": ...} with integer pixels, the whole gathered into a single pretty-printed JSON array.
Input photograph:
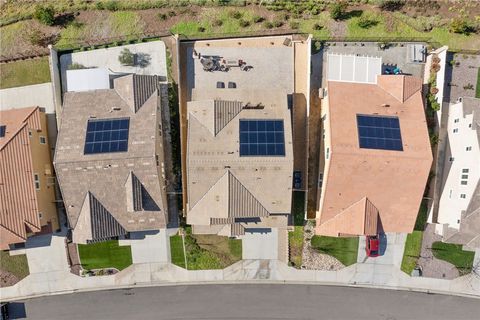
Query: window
[
  {"x": 451, "y": 159},
  {"x": 36, "y": 178},
  {"x": 107, "y": 135},
  {"x": 470, "y": 125},
  {"x": 463, "y": 182},
  {"x": 40, "y": 215},
  {"x": 29, "y": 133},
  {"x": 43, "y": 140},
  {"x": 327, "y": 154},
  {"x": 463, "y": 196},
  {"x": 455, "y": 130},
  {"x": 468, "y": 148},
  {"x": 2, "y": 131},
  {"x": 464, "y": 170},
  {"x": 376, "y": 132},
  {"x": 456, "y": 120},
  {"x": 464, "y": 176}
]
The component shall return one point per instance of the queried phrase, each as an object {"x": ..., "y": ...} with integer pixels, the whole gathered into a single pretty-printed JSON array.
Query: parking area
[
  {"x": 149, "y": 247},
  {"x": 269, "y": 62},
  {"x": 392, "y": 246},
  {"x": 260, "y": 245},
  {"x": 150, "y": 60},
  {"x": 394, "y": 55}
]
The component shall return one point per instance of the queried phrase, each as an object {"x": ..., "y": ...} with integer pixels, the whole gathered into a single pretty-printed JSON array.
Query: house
[
  {"x": 377, "y": 150},
  {"x": 239, "y": 162},
  {"x": 458, "y": 219},
  {"x": 109, "y": 158},
  {"x": 27, "y": 181}
]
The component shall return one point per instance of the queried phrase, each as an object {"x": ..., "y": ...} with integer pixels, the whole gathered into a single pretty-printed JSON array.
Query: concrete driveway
[
  {"x": 257, "y": 245},
  {"x": 392, "y": 246},
  {"x": 149, "y": 247}
]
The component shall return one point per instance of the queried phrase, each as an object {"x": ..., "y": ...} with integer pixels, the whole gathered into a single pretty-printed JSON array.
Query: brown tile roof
[
  {"x": 18, "y": 199},
  {"x": 393, "y": 181}
]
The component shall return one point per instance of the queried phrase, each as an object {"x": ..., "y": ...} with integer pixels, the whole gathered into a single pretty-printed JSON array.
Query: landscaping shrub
[
  {"x": 337, "y": 10},
  {"x": 317, "y": 26},
  {"x": 45, "y": 15},
  {"x": 35, "y": 37},
  {"x": 111, "y": 5},
  {"x": 235, "y": 14},
  {"x": 277, "y": 23},
  {"x": 201, "y": 29},
  {"x": 243, "y": 23},
  {"x": 367, "y": 21},
  {"x": 126, "y": 57},
  {"x": 294, "y": 24},
  {"x": 258, "y": 19},
  {"x": 391, "y": 5},
  {"x": 461, "y": 25},
  {"x": 217, "y": 22},
  {"x": 162, "y": 16},
  {"x": 172, "y": 13},
  {"x": 268, "y": 25}
]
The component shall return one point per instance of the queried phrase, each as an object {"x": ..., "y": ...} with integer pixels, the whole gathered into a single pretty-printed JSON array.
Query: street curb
[{"x": 244, "y": 282}]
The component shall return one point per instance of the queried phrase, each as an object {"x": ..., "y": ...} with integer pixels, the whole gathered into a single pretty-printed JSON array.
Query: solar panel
[
  {"x": 375, "y": 132},
  {"x": 107, "y": 135},
  {"x": 262, "y": 138}
]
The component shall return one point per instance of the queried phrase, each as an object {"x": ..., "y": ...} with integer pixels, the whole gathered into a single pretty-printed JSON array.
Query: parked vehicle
[{"x": 372, "y": 247}]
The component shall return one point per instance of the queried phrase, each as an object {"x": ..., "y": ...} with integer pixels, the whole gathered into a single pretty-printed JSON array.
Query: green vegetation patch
[
  {"x": 298, "y": 208},
  {"x": 422, "y": 216},
  {"x": 413, "y": 247},
  {"x": 344, "y": 249},
  {"x": 24, "y": 73},
  {"x": 211, "y": 251},
  {"x": 295, "y": 243},
  {"x": 477, "y": 90},
  {"x": 453, "y": 253},
  {"x": 16, "y": 265},
  {"x": 176, "y": 251},
  {"x": 107, "y": 254}
]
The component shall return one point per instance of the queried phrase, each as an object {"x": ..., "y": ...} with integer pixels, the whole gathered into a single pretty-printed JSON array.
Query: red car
[{"x": 372, "y": 247}]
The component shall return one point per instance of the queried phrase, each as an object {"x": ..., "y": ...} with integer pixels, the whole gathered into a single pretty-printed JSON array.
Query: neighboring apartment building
[
  {"x": 377, "y": 149},
  {"x": 239, "y": 162},
  {"x": 27, "y": 182},
  {"x": 459, "y": 207},
  {"x": 109, "y": 158}
]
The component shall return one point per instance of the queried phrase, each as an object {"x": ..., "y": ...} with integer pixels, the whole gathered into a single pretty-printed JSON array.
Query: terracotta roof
[
  {"x": 18, "y": 199},
  {"x": 392, "y": 181}
]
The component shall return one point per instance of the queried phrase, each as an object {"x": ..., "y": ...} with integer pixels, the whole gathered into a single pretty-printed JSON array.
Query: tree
[
  {"x": 126, "y": 57},
  {"x": 45, "y": 15},
  {"x": 460, "y": 25},
  {"x": 337, "y": 10}
]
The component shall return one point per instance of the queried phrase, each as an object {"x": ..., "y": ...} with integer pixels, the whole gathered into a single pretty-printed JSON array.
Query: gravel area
[
  {"x": 312, "y": 259},
  {"x": 7, "y": 279},
  {"x": 431, "y": 266},
  {"x": 461, "y": 79}
]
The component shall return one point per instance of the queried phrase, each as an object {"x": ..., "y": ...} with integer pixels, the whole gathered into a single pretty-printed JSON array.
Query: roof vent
[
  {"x": 116, "y": 109},
  {"x": 385, "y": 105}
]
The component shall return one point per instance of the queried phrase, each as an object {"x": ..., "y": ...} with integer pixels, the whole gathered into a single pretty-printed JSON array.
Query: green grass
[
  {"x": 295, "y": 243},
  {"x": 17, "y": 265},
  {"x": 176, "y": 250},
  {"x": 298, "y": 208},
  {"x": 107, "y": 254},
  {"x": 453, "y": 253},
  {"x": 477, "y": 90},
  {"x": 413, "y": 246},
  {"x": 24, "y": 73},
  {"x": 206, "y": 252},
  {"x": 422, "y": 216},
  {"x": 344, "y": 249}
]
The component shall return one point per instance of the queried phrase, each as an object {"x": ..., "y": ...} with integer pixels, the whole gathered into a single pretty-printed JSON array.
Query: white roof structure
[
  {"x": 351, "y": 68},
  {"x": 87, "y": 79}
]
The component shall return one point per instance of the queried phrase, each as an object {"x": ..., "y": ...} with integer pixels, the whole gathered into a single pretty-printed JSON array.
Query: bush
[
  {"x": 317, "y": 26},
  {"x": 268, "y": 25},
  {"x": 366, "y": 21},
  {"x": 294, "y": 24},
  {"x": 258, "y": 19},
  {"x": 337, "y": 10},
  {"x": 235, "y": 14},
  {"x": 126, "y": 57},
  {"x": 244, "y": 23},
  {"x": 391, "y": 5},
  {"x": 201, "y": 29},
  {"x": 461, "y": 25},
  {"x": 433, "y": 90},
  {"x": 172, "y": 13},
  {"x": 45, "y": 15},
  {"x": 35, "y": 37},
  {"x": 111, "y": 5},
  {"x": 217, "y": 22},
  {"x": 162, "y": 16},
  {"x": 277, "y": 23}
]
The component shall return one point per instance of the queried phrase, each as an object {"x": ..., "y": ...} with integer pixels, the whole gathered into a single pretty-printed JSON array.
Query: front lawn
[
  {"x": 344, "y": 249},
  {"x": 16, "y": 265},
  {"x": 107, "y": 254},
  {"x": 176, "y": 251},
  {"x": 477, "y": 90},
  {"x": 453, "y": 253},
  {"x": 413, "y": 247},
  {"x": 295, "y": 244},
  {"x": 24, "y": 73}
]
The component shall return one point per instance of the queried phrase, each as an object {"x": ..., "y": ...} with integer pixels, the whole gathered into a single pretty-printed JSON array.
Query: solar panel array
[
  {"x": 107, "y": 135},
  {"x": 375, "y": 132},
  {"x": 262, "y": 138}
]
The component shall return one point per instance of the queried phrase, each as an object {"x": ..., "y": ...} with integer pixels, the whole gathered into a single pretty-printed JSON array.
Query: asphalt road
[{"x": 251, "y": 301}]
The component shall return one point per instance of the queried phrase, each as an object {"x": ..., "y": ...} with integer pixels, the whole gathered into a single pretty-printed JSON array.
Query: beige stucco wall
[{"x": 42, "y": 165}]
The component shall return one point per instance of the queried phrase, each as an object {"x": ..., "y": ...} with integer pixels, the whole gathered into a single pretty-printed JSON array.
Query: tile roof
[{"x": 132, "y": 176}]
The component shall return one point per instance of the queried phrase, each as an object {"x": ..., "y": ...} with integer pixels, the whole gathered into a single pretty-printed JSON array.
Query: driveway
[
  {"x": 149, "y": 247},
  {"x": 257, "y": 245},
  {"x": 392, "y": 246}
]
